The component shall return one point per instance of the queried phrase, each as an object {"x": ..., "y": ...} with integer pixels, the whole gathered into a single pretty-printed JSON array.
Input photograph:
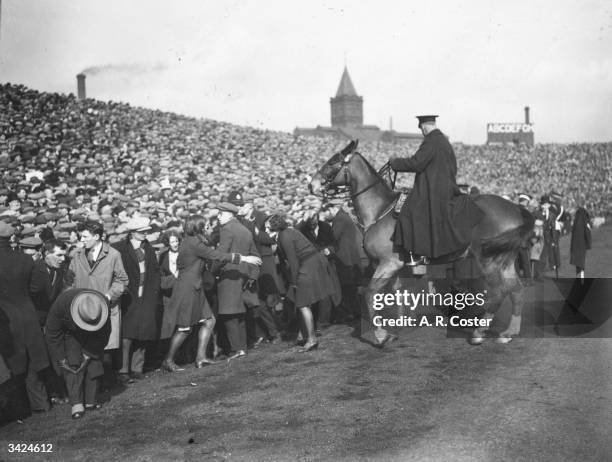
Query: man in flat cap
[
  {"x": 139, "y": 302},
  {"x": 436, "y": 219}
]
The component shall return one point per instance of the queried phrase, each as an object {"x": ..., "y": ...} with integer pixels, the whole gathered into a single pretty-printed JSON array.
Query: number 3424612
[{"x": 30, "y": 447}]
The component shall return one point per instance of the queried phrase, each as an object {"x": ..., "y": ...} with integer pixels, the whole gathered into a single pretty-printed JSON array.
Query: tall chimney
[
  {"x": 527, "y": 114},
  {"x": 81, "y": 87}
]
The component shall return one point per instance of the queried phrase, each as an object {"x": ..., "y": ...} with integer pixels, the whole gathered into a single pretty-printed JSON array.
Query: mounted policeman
[{"x": 436, "y": 219}]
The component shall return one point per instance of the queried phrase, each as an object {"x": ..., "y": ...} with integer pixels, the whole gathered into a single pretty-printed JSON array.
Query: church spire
[{"x": 346, "y": 87}]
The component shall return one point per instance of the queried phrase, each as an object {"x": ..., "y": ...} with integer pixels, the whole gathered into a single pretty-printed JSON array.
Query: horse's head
[{"x": 334, "y": 173}]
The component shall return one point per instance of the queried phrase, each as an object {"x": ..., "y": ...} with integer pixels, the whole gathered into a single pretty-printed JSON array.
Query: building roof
[{"x": 346, "y": 87}]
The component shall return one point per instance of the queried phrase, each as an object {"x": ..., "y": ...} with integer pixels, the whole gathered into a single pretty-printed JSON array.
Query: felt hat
[
  {"x": 138, "y": 224},
  {"x": 89, "y": 310}
]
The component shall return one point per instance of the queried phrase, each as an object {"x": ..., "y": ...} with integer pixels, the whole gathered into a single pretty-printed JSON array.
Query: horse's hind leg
[
  {"x": 514, "y": 328},
  {"x": 385, "y": 272}
]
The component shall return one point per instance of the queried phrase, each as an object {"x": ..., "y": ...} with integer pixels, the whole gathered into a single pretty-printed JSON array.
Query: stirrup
[{"x": 421, "y": 260}]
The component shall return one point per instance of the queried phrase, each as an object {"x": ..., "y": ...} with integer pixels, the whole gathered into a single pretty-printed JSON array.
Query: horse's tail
[{"x": 504, "y": 248}]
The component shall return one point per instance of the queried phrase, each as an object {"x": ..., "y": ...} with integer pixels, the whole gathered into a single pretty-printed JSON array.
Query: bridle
[{"x": 331, "y": 190}]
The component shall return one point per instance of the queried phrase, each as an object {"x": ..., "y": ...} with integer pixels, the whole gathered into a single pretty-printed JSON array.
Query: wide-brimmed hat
[
  {"x": 138, "y": 224},
  {"x": 89, "y": 310}
]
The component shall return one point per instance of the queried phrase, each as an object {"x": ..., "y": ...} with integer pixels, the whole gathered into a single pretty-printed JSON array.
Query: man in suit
[
  {"x": 235, "y": 288},
  {"x": 49, "y": 274},
  {"x": 436, "y": 219},
  {"x": 139, "y": 302},
  {"x": 78, "y": 328}
]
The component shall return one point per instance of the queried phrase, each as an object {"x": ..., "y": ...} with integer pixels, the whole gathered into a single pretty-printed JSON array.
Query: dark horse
[{"x": 494, "y": 242}]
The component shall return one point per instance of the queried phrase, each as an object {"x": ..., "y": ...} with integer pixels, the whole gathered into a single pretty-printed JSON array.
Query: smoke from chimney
[
  {"x": 81, "y": 94},
  {"x": 526, "y": 114}
]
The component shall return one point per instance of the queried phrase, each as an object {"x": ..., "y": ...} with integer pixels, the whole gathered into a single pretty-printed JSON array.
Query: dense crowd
[{"x": 143, "y": 187}]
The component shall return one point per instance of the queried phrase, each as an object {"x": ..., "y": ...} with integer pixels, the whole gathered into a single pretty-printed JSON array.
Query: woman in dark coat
[
  {"x": 188, "y": 305},
  {"x": 310, "y": 280},
  {"x": 581, "y": 240}
]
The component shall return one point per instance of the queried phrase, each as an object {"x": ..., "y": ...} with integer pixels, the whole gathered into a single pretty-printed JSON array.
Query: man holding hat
[
  {"x": 78, "y": 328},
  {"x": 235, "y": 288},
  {"x": 436, "y": 219}
]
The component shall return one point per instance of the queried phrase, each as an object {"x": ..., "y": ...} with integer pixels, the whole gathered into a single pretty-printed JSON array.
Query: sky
[{"x": 274, "y": 64}]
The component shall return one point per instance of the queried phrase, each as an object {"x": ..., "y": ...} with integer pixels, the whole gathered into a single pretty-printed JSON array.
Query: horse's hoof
[
  {"x": 477, "y": 340},
  {"x": 503, "y": 339},
  {"x": 389, "y": 338}
]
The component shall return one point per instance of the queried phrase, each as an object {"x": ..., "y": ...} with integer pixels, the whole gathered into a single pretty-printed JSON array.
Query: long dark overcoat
[
  {"x": 581, "y": 238},
  {"x": 436, "y": 219},
  {"x": 139, "y": 314},
  {"x": 51, "y": 283},
  {"x": 350, "y": 258},
  {"x": 236, "y": 238},
  {"x": 16, "y": 279},
  {"x": 188, "y": 302}
]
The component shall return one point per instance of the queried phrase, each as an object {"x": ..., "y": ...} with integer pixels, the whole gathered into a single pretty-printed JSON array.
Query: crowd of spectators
[{"x": 66, "y": 163}]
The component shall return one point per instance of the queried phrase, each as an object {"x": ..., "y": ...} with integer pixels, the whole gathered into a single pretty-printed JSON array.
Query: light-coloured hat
[
  {"x": 138, "y": 224},
  {"x": 89, "y": 310},
  {"x": 6, "y": 230}
]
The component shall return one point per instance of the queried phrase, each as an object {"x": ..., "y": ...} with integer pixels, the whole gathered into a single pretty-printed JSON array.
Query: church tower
[{"x": 346, "y": 106}]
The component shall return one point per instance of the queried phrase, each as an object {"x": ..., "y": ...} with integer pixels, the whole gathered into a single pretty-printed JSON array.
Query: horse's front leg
[{"x": 385, "y": 271}]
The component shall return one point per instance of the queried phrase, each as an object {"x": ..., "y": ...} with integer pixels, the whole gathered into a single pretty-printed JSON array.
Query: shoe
[
  {"x": 124, "y": 378},
  {"x": 204, "y": 362},
  {"x": 309, "y": 346},
  {"x": 137, "y": 375},
  {"x": 92, "y": 407},
  {"x": 237, "y": 355},
  {"x": 258, "y": 342},
  {"x": 77, "y": 415},
  {"x": 58, "y": 400},
  {"x": 171, "y": 366}
]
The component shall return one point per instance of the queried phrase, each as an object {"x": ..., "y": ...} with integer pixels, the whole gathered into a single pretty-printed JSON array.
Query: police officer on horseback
[{"x": 436, "y": 218}]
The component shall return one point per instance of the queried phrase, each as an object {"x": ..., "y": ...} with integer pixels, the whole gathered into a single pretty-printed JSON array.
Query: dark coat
[
  {"x": 309, "y": 271},
  {"x": 188, "y": 303},
  {"x": 236, "y": 238},
  {"x": 436, "y": 219},
  {"x": 323, "y": 239},
  {"x": 139, "y": 314},
  {"x": 16, "y": 277},
  {"x": 269, "y": 282},
  {"x": 167, "y": 278},
  {"x": 67, "y": 341},
  {"x": 581, "y": 238},
  {"x": 350, "y": 258},
  {"x": 48, "y": 286}
]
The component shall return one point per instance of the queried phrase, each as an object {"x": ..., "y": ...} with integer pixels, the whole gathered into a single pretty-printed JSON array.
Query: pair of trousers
[
  {"x": 83, "y": 386},
  {"x": 37, "y": 392},
  {"x": 235, "y": 327},
  {"x": 136, "y": 358},
  {"x": 264, "y": 322}
]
